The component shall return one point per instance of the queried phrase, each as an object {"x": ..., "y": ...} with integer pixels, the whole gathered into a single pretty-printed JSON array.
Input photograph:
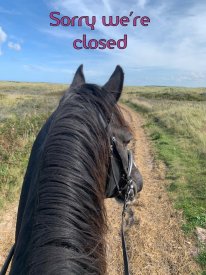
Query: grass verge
[{"x": 177, "y": 133}]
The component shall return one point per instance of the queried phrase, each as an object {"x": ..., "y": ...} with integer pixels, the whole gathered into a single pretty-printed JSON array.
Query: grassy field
[
  {"x": 175, "y": 121},
  {"x": 176, "y": 124},
  {"x": 23, "y": 109}
]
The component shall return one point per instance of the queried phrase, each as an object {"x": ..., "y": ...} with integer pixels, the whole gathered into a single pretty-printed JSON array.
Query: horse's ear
[
  {"x": 78, "y": 79},
  {"x": 115, "y": 83}
]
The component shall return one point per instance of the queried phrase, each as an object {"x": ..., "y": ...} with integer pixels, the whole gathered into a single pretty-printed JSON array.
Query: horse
[{"x": 79, "y": 158}]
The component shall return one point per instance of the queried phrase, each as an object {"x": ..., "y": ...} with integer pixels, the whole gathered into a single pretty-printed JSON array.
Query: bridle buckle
[{"x": 131, "y": 193}]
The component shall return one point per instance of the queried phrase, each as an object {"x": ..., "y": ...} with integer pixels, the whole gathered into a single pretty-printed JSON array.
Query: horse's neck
[{"x": 64, "y": 221}]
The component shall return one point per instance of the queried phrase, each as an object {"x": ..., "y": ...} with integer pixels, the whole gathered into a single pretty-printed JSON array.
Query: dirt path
[
  {"x": 7, "y": 230},
  {"x": 155, "y": 242}
]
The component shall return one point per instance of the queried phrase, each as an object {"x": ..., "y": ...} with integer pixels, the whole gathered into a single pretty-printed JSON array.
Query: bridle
[
  {"x": 120, "y": 186},
  {"x": 123, "y": 187}
]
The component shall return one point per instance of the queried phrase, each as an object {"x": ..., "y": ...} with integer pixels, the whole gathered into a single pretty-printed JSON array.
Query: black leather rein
[{"x": 127, "y": 191}]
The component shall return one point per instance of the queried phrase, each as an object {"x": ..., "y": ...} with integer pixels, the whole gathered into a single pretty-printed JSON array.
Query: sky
[{"x": 170, "y": 51}]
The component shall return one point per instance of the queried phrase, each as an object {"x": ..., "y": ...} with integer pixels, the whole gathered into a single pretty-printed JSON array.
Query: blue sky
[{"x": 170, "y": 51}]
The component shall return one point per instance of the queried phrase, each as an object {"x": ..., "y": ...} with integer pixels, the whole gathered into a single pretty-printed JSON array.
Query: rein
[
  {"x": 128, "y": 197},
  {"x": 8, "y": 260}
]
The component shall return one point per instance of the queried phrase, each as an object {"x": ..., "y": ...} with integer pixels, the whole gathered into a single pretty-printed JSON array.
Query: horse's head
[{"x": 122, "y": 170}]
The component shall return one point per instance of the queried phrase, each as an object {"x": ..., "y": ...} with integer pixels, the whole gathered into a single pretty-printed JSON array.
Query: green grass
[
  {"x": 169, "y": 93},
  {"x": 24, "y": 107},
  {"x": 202, "y": 258},
  {"x": 176, "y": 123},
  {"x": 17, "y": 136}
]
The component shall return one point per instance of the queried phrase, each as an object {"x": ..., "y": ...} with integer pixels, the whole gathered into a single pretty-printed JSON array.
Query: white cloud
[
  {"x": 193, "y": 76},
  {"x": 59, "y": 33},
  {"x": 142, "y": 3},
  {"x": 3, "y": 37},
  {"x": 107, "y": 6},
  {"x": 14, "y": 46}
]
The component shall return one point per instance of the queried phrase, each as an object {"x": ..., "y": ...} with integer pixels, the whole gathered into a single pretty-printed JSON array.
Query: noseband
[{"x": 120, "y": 182}]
